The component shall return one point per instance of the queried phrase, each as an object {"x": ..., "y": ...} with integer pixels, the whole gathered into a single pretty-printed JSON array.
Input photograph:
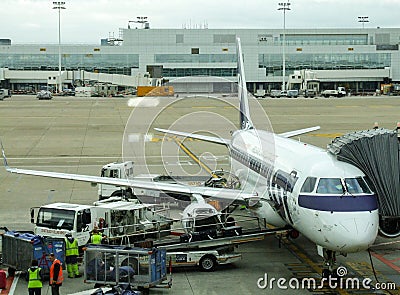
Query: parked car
[
  {"x": 284, "y": 93},
  {"x": 275, "y": 93},
  {"x": 68, "y": 92},
  {"x": 293, "y": 93},
  {"x": 44, "y": 94}
]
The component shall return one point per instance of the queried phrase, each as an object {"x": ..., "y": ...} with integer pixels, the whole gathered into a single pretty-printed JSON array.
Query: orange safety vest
[{"x": 60, "y": 273}]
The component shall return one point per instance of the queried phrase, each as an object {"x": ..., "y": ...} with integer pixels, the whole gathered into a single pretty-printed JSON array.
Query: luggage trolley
[
  {"x": 141, "y": 268},
  {"x": 19, "y": 249}
]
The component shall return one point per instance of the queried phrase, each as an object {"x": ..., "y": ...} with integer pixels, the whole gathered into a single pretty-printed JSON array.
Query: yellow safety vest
[
  {"x": 35, "y": 281},
  {"x": 96, "y": 239},
  {"x": 71, "y": 248}
]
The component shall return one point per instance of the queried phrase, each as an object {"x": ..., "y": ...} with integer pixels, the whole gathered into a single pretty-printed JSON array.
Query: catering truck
[{"x": 126, "y": 221}]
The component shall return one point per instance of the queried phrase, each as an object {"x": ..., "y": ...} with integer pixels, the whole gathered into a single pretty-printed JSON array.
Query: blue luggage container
[{"x": 19, "y": 249}]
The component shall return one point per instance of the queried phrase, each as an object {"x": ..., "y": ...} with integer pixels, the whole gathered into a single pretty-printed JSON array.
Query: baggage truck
[{"x": 127, "y": 220}]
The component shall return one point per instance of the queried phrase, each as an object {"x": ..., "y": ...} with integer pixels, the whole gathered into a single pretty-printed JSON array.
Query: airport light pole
[
  {"x": 59, "y": 5},
  {"x": 363, "y": 20},
  {"x": 284, "y": 6}
]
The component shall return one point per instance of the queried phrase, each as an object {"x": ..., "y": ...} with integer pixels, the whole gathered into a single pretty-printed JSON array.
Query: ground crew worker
[
  {"x": 56, "y": 275},
  {"x": 71, "y": 256},
  {"x": 96, "y": 237},
  {"x": 35, "y": 279}
]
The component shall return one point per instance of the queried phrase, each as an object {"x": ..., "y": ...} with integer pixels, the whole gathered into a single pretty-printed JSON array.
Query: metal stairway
[{"x": 376, "y": 152}]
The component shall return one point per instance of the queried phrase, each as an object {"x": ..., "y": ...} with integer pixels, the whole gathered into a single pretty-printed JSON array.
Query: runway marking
[
  {"x": 386, "y": 261},
  {"x": 359, "y": 270},
  {"x": 348, "y": 106},
  {"x": 329, "y": 135},
  {"x": 380, "y": 107},
  {"x": 203, "y": 107},
  {"x": 193, "y": 156}
]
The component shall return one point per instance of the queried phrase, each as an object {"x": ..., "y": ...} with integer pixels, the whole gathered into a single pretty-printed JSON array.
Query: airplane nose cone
[{"x": 357, "y": 234}]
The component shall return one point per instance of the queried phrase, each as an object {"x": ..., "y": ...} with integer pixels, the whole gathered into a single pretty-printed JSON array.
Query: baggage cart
[
  {"x": 141, "y": 268},
  {"x": 19, "y": 249}
]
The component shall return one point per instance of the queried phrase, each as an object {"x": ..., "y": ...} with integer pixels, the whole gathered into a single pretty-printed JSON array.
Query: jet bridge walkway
[{"x": 376, "y": 152}]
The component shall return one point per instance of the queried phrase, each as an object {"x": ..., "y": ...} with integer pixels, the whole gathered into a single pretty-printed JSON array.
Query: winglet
[{"x": 4, "y": 156}]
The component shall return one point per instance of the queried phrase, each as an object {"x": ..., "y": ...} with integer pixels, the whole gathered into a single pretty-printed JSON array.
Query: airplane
[{"x": 284, "y": 181}]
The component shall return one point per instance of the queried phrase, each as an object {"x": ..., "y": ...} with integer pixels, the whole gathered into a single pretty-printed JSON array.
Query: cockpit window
[
  {"x": 330, "y": 186},
  {"x": 356, "y": 186},
  {"x": 308, "y": 185}
]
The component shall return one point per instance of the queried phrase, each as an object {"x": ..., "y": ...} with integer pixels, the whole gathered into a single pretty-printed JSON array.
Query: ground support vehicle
[
  {"x": 275, "y": 93},
  {"x": 206, "y": 259},
  {"x": 339, "y": 92},
  {"x": 293, "y": 93},
  {"x": 309, "y": 93},
  {"x": 115, "y": 170},
  {"x": 210, "y": 251},
  {"x": 20, "y": 248},
  {"x": 4, "y": 93},
  {"x": 260, "y": 93},
  {"x": 120, "y": 221},
  {"x": 44, "y": 94},
  {"x": 141, "y": 268}
]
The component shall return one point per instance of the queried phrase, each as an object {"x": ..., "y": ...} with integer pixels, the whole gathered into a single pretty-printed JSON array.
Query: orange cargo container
[{"x": 155, "y": 91}]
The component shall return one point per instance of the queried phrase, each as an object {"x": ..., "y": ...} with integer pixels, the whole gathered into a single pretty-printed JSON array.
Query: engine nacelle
[{"x": 389, "y": 227}]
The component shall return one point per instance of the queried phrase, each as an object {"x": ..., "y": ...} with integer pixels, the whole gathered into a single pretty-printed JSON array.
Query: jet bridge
[{"x": 376, "y": 152}]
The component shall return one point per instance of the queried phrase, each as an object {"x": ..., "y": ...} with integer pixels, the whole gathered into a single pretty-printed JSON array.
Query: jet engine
[{"x": 389, "y": 227}]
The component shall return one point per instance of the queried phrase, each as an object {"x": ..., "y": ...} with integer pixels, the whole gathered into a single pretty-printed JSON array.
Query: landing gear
[{"x": 329, "y": 264}]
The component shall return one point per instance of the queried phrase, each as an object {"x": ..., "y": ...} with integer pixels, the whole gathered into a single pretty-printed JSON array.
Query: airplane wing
[
  {"x": 210, "y": 192},
  {"x": 299, "y": 131},
  {"x": 196, "y": 136}
]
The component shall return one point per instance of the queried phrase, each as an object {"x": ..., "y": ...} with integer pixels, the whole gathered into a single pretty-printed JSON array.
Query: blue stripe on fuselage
[{"x": 339, "y": 203}]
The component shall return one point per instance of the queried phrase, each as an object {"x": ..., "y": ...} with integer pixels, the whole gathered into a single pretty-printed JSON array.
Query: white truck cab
[
  {"x": 58, "y": 219},
  {"x": 115, "y": 170}
]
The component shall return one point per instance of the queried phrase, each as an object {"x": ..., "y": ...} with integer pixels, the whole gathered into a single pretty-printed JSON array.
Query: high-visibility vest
[
  {"x": 96, "y": 239},
  {"x": 71, "y": 248},
  {"x": 35, "y": 281},
  {"x": 60, "y": 278}
]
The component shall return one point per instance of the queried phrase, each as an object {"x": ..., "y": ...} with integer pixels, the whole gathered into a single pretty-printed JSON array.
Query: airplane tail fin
[{"x": 245, "y": 120}]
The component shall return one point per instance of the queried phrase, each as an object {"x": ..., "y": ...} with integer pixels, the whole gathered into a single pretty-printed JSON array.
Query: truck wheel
[{"x": 208, "y": 263}]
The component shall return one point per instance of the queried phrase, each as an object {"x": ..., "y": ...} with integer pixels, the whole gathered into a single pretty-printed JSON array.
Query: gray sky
[{"x": 87, "y": 21}]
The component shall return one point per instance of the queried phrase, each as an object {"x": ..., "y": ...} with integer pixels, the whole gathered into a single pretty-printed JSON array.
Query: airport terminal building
[{"x": 358, "y": 59}]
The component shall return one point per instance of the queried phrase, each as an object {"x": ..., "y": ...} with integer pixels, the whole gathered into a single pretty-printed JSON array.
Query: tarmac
[{"x": 80, "y": 135}]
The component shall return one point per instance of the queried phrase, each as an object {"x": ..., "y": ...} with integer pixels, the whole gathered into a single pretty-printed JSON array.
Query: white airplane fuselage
[{"x": 275, "y": 168}]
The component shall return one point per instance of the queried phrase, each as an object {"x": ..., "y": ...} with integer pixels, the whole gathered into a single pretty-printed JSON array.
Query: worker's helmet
[{"x": 68, "y": 235}]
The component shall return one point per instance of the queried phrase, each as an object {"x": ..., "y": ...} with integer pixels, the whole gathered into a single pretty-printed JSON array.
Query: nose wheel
[{"x": 329, "y": 264}]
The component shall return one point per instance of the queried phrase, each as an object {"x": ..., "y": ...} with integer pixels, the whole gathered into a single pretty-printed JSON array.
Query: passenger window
[
  {"x": 330, "y": 186},
  {"x": 308, "y": 185}
]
